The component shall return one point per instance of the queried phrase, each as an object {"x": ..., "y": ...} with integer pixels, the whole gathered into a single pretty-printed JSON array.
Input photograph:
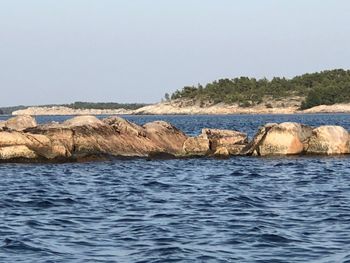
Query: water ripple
[{"x": 243, "y": 209}]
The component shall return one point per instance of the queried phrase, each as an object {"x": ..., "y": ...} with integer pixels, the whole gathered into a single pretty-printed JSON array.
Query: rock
[
  {"x": 329, "y": 140},
  {"x": 222, "y": 152},
  {"x": 224, "y": 137},
  {"x": 228, "y": 139},
  {"x": 124, "y": 127},
  {"x": 165, "y": 136},
  {"x": 235, "y": 149},
  {"x": 83, "y": 120},
  {"x": 251, "y": 147},
  {"x": 19, "y": 123},
  {"x": 287, "y": 138},
  {"x": 87, "y": 138},
  {"x": 16, "y": 152},
  {"x": 197, "y": 146}
]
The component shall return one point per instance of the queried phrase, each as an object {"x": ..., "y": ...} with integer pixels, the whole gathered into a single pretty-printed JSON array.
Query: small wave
[
  {"x": 156, "y": 184},
  {"x": 21, "y": 246},
  {"x": 274, "y": 238}
]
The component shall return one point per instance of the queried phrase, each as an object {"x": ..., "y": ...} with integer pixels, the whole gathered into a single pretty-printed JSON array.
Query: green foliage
[
  {"x": 103, "y": 105},
  {"x": 326, "y": 87},
  {"x": 167, "y": 96},
  {"x": 9, "y": 110}
]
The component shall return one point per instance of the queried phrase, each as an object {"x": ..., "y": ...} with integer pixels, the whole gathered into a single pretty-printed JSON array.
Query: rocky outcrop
[
  {"x": 18, "y": 123},
  {"x": 216, "y": 142},
  {"x": 293, "y": 138},
  {"x": 61, "y": 110},
  {"x": 328, "y": 140},
  {"x": 280, "y": 139},
  {"x": 197, "y": 146},
  {"x": 86, "y": 138},
  {"x": 166, "y": 137},
  {"x": 123, "y": 126}
]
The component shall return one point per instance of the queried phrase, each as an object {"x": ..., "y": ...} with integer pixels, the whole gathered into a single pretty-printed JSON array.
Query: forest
[{"x": 326, "y": 87}]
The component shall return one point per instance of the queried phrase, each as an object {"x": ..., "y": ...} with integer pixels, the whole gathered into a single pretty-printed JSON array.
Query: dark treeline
[
  {"x": 81, "y": 105},
  {"x": 9, "y": 110},
  {"x": 104, "y": 105},
  {"x": 326, "y": 87}
]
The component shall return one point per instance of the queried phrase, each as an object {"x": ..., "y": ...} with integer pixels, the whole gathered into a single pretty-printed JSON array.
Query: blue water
[{"x": 243, "y": 209}]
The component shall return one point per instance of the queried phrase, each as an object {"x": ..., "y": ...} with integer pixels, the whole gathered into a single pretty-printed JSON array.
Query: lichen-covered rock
[
  {"x": 197, "y": 146},
  {"x": 329, "y": 140}
]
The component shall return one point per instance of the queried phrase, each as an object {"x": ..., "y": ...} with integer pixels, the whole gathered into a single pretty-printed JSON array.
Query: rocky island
[
  {"x": 321, "y": 92},
  {"x": 88, "y": 138}
]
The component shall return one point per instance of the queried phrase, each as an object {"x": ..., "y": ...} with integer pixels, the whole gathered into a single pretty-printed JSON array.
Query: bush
[{"x": 326, "y": 87}]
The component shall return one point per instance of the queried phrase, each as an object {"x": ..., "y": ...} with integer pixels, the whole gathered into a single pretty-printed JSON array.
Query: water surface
[{"x": 243, "y": 209}]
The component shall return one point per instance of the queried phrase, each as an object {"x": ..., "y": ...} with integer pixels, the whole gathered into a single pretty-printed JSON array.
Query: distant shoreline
[{"x": 169, "y": 108}]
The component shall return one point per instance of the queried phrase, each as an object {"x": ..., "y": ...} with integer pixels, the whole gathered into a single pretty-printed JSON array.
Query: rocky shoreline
[
  {"x": 172, "y": 108},
  {"x": 88, "y": 138}
]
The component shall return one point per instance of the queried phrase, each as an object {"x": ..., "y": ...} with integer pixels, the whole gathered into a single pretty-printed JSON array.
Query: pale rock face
[
  {"x": 252, "y": 147},
  {"x": 222, "y": 152},
  {"x": 231, "y": 140},
  {"x": 87, "y": 137},
  {"x": 216, "y": 142},
  {"x": 123, "y": 126},
  {"x": 224, "y": 138},
  {"x": 16, "y": 152},
  {"x": 279, "y": 139},
  {"x": 19, "y": 123},
  {"x": 196, "y": 146},
  {"x": 83, "y": 120},
  {"x": 165, "y": 136},
  {"x": 329, "y": 140}
]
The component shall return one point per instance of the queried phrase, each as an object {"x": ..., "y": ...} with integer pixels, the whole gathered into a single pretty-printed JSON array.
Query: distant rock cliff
[
  {"x": 59, "y": 110},
  {"x": 179, "y": 107}
]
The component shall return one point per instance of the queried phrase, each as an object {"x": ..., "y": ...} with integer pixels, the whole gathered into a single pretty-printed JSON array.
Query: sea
[{"x": 241, "y": 209}]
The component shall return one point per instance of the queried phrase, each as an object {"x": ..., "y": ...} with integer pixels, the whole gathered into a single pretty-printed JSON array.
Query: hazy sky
[{"x": 59, "y": 51}]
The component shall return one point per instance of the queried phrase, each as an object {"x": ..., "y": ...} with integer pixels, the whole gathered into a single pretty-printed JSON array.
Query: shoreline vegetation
[{"x": 321, "y": 92}]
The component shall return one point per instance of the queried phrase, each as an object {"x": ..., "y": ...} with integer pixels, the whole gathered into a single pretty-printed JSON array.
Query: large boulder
[
  {"x": 216, "y": 142},
  {"x": 17, "y": 152},
  {"x": 123, "y": 126},
  {"x": 286, "y": 138},
  {"x": 224, "y": 137},
  {"x": 222, "y": 152},
  {"x": 225, "y": 140},
  {"x": 165, "y": 136},
  {"x": 19, "y": 123},
  {"x": 82, "y": 121},
  {"x": 197, "y": 146},
  {"x": 329, "y": 140},
  {"x": 26, "y": 144}
]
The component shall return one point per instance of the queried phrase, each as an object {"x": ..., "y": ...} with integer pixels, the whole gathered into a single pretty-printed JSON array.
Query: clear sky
[{"x": 60, "y": 51}]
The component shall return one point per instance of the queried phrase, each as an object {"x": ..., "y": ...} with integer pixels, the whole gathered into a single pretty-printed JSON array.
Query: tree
[{"x": 167, "y": 96}]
